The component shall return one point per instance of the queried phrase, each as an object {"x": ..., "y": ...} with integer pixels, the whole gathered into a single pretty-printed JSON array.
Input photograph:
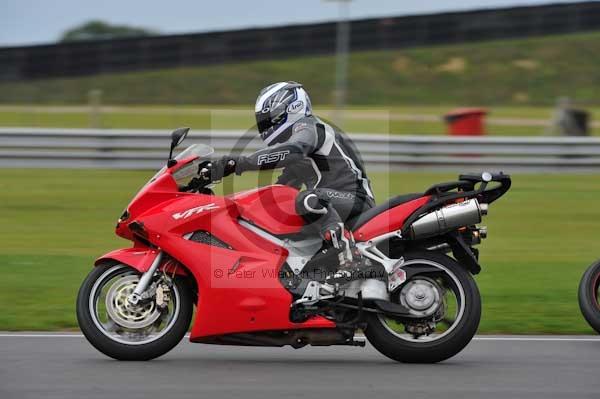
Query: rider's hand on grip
[
  {"x": 204, "y": 171},
  {"x": 216, "y": 169}
]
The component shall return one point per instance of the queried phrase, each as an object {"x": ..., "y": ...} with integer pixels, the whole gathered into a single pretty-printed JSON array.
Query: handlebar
[
  {"x": 207, "y": 174},
  {"x": 207, "y": 171}
]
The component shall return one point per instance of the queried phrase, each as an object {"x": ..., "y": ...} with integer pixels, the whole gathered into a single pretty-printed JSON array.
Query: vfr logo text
[{"x": 194, "y": 211}]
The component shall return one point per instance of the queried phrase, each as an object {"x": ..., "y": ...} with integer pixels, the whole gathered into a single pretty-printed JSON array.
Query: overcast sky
[{"x": 42, "y": 21}]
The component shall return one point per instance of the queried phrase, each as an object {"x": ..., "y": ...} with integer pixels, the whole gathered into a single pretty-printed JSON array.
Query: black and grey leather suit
[{"x": 324, "y": 160}]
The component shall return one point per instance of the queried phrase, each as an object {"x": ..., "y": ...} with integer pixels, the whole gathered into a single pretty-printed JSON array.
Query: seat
[{"x": 359, "y": 220}]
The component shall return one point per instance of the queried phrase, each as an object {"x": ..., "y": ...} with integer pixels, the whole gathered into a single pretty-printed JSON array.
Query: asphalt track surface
[{"x": 66, "y": 366}]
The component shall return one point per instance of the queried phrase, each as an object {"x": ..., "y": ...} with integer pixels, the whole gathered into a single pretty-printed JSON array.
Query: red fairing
[
  {"x": 159, "y": 191},
  {"x": 390, "y": 220},
  {"x": 272, "y": 208},
  {"x": 239, "y": 289}
]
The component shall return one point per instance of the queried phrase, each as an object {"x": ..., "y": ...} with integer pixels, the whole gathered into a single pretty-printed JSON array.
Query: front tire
[
  {"x": 143, "y": 332},
  {"x": 393, "y": 341},
  {"x": 588, "y": 296}
]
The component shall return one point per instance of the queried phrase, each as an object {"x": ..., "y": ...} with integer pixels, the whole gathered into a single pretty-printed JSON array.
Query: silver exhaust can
[{"x": 446, "y": 219}]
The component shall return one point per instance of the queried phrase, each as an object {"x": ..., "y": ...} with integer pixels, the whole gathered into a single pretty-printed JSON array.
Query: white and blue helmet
[{"x": 278, "y": 107}]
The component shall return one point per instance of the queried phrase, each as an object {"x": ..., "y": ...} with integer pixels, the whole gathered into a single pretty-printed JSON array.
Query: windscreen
[{"x": 197, "y": 151}]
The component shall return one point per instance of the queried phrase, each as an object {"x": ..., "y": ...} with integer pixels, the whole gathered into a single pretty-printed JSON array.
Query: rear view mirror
[{"x": 177, "y": 138}]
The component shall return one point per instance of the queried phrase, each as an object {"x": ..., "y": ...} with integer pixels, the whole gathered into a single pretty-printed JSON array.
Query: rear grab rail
[{"x": 443, "y": 193}]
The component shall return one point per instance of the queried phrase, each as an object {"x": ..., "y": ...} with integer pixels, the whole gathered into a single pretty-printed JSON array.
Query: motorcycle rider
[{"x": 316, "y": 155}]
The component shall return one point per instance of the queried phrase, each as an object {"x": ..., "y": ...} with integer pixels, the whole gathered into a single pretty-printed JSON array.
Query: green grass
[
  {"x": 55, "y": 222},
  {"x": 357, "y": 119},
  {"x": 518, "y": 72},
  {"x": 519, "y": 79},
  {"x": 123, "y": 120}
]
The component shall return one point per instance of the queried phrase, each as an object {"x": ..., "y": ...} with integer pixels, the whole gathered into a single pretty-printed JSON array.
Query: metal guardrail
[{"x": 147, "y": 149}]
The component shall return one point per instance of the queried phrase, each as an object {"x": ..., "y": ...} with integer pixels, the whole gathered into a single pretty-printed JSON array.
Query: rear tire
[
  {"x": 449, "y": 344},
  {"x": 588, "y": 296},
  {"x": 134, "y": 351}
]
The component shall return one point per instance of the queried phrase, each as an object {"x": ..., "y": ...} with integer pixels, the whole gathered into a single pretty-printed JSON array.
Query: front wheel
[
  {"x": 445, "y": 297},
  {"x": 589, "y": 296},
  {"x": 127, "y": 332}
]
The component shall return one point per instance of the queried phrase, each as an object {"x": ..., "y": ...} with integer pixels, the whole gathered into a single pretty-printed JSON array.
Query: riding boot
[{"x": 352, "y": 265}]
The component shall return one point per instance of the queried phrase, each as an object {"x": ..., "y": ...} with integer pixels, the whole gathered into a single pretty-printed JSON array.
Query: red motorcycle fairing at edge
[
  {"x": 391, "y": 220},
  {"x": 272, "y": 208},
  {"x": 239, "y": 287}
]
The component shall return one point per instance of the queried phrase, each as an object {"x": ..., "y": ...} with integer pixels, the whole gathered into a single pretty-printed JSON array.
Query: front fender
[{"x": 138, "y": 258}]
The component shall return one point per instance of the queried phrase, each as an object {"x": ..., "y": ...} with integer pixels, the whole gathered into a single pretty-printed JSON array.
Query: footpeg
[
  {"x": 359, "y": 341},
  {"x": 340, "y": 277},
  {"x": 315, "y": 292}
]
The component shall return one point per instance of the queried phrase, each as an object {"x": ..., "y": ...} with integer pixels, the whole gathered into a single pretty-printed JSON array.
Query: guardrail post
[{"x": 95, "y": 102}]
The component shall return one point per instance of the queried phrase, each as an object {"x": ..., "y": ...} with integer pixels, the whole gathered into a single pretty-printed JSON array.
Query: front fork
[{"x": 136, "y": 296}]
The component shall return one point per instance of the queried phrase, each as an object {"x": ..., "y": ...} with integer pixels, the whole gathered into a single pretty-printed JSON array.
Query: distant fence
[
  {"x": 106, "y": 56},
  {"x": 147, "y": 149}
]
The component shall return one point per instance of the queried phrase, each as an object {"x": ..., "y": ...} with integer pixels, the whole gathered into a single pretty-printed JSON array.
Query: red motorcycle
[{"x": 247, "y": 263}]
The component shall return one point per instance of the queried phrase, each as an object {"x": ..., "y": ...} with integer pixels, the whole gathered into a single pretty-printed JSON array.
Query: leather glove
[{"x": 218, "y": 168}]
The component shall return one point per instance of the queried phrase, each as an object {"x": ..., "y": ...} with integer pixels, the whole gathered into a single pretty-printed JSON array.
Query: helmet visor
[{"x": 263, "y": 121}]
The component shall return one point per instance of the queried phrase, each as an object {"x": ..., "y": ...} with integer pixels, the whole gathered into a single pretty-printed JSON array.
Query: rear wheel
[
  {"x": 132, "y": 332},
  {"x": 445, "y": 295},
  {"x": 589, "y": 296}
]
